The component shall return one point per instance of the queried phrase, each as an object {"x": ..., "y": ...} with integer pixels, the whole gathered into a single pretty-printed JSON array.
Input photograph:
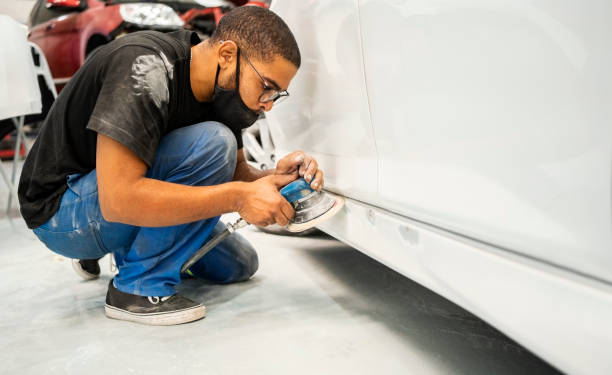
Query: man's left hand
[{"x": 302, "y": 165}]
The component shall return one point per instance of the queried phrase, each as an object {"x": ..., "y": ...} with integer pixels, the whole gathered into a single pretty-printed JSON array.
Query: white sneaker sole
[
  {"x": 157, "y": 319},
  {"x": 76, "y": 266},
  {"x": 332, "y": 211}
]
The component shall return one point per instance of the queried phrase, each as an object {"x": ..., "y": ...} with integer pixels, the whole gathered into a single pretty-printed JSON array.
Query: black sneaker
[
  {"x": 88, "y": 269},
  {"x": 155, "y": 311}
]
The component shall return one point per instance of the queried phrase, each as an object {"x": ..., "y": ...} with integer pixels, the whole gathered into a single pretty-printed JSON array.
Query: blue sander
[{"x": 311, "y": 208}]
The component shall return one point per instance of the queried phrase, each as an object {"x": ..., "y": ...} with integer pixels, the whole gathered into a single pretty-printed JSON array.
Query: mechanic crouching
[{"x": 141, "y": 153}]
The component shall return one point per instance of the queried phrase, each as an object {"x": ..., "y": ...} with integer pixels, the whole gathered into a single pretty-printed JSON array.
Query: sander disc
[{"x": 313, "y": 210}]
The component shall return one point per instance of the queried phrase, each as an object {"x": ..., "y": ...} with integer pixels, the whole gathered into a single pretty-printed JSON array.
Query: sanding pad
[{"x": 335, "y": 205}]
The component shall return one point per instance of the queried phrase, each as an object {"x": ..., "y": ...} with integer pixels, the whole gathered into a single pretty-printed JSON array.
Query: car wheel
[{"x": 258, "y": 145}]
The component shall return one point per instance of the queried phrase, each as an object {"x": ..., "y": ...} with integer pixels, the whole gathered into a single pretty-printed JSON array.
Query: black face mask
[{"x": 229, "y": 107}]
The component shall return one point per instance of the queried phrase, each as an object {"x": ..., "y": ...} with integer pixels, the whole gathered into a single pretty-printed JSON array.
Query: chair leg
[
  {"x": 5, "y": 177},
  {"x": 20, "y": 138}
]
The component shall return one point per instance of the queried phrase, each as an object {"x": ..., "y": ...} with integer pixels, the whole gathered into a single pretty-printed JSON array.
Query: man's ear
[{"x": 227, "y": 53}]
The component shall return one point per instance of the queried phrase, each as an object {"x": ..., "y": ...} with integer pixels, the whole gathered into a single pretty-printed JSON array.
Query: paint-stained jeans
[{"x": 149, "y": 259}]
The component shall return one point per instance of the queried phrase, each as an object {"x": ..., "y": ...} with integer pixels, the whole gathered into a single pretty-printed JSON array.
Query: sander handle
[
  {"x": 230, "y": 228},
  {"x": 292, "y": 192}
]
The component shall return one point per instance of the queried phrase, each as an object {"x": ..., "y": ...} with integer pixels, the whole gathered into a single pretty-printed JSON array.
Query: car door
[
  {"x": 492, "y": 120},
  {"x": 63, "y": 38},
  {"x": 37, "y": 30},
  {"x": 327, "y": 113},
  {"x": 58, "y": 36}
]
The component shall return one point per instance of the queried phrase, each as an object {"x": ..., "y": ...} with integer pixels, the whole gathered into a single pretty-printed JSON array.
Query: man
[{"x": 141, "y": 153}]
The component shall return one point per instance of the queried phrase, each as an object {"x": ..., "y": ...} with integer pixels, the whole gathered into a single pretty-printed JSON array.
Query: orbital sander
[{"x": 311, "y": 208}]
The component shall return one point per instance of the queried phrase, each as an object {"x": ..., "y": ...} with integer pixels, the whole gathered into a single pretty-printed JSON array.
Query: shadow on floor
[{"x": 417, "y": 315}]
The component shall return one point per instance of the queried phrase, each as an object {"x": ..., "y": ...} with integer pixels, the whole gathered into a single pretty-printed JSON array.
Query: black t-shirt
[{"x": 133, "y": 90}]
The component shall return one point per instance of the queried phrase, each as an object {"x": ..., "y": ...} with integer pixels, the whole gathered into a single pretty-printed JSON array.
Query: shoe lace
[{"x": 156, "y": 300}]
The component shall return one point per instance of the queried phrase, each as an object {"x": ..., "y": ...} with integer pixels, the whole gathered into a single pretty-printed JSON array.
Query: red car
[{"x": 68, "y": 30}]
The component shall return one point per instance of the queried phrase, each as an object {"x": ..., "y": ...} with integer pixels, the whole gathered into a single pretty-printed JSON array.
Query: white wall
[{"x": 18, "y": 9}]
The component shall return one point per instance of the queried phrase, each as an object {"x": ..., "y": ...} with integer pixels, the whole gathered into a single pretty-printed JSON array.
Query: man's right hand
[{"x": 262, "y": 203}]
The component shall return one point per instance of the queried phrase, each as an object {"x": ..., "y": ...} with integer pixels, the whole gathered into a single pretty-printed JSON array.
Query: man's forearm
[
  {"x": 244, "y": 172},
  {"x": 153, "y": 203}
]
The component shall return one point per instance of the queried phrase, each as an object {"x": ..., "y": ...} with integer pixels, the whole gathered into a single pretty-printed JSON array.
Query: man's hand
[
  {"x": 300, "y": 164},
  {"x": 263, "y": 204}
]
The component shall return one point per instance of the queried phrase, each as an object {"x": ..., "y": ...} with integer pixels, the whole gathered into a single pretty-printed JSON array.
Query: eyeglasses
[{"x": 270, "y": 93}]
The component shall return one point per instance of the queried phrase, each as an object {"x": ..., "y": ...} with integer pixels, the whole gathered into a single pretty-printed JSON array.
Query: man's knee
[
  {"x": 214, "y": 150},
  {"x": 251, "y": 265},
  {"x": 233, "y": 260},
  {"x": 223, "y": 143},
  {"x": 244, "y": 262},
  {"x": 221, "y": 137}
]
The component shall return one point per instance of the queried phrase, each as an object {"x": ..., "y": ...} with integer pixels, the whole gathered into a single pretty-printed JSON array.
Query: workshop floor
[{"x": 315, "y": 306}]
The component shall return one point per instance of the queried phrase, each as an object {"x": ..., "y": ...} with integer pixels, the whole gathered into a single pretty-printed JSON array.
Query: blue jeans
[{"x": 149, "y": 259}]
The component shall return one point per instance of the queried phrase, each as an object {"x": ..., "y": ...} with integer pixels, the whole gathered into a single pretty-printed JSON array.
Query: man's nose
[{"x": 267, "y": 106}]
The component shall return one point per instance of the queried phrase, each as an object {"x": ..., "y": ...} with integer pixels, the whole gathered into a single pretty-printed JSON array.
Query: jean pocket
[
  {"x": 82, "y": 243},
  {"x": 83, "y": 184}
]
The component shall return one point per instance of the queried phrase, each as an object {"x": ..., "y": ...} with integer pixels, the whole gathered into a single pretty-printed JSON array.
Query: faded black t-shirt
[{"x": 134, "y": 90}]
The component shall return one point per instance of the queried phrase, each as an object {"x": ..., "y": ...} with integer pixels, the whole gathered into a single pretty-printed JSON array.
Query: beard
[{"x": 229, "y": 83}]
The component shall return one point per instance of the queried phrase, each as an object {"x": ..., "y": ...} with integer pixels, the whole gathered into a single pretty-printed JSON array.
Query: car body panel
[
  {"x": 564, "y": 318},
  {"x": 328, "y": 108},
  {"x": 62, "y": 34},
  {"x": 504, "y": 119},
  {"x": 487, "y": 126},
  {"x": 64, "y": 39}
]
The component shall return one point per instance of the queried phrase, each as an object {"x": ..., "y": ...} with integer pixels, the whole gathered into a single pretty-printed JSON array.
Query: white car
[{"x": 472, "y": 141}]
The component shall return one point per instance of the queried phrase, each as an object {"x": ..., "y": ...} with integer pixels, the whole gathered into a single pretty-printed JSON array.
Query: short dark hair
[{"x": 259, "y": 32}]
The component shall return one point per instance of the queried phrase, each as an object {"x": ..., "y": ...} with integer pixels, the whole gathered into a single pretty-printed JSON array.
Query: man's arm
[
  {"x": 297, "y": 164},
  {"x": 128, "y": 197},
  {"x": 244, "y": 172}
]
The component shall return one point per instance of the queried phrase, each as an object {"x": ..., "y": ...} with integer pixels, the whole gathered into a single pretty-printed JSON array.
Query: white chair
[
  {"x": 42, "y": 69},
  {"x": 19, "y": 91}
]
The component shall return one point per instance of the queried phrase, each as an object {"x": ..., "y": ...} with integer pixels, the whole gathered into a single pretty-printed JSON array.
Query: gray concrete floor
[{"x": 315, "y": 306}]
